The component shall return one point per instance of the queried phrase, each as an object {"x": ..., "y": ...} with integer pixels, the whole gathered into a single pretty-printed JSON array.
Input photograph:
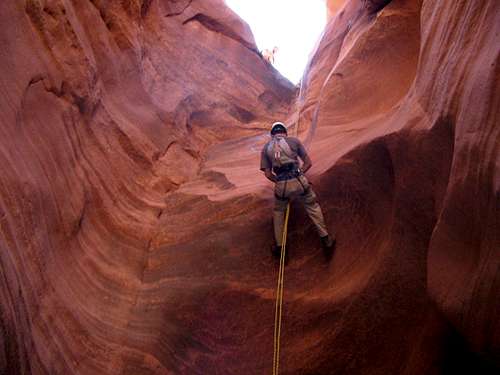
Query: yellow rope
[{"x": 279, "y": 296}]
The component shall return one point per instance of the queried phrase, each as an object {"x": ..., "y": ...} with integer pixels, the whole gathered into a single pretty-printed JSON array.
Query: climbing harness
[
  {"x": 279, "y": 296},
  {"x": 287, "y": 172}
]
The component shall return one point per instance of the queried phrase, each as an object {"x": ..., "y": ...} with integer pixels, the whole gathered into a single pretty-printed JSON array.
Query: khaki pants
[{"x": 300, "y": 188}]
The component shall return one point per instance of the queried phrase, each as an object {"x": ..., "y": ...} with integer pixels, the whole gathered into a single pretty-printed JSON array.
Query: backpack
[{"x": 280, "y": 153}]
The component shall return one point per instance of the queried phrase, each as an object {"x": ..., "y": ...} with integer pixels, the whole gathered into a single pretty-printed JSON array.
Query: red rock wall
[
  {"x": 135, "y": 225},
  {"x": 333, "y": 6},
  {"x": 409, "y": 98},
  {"x": 464, "y": 251},
  {"x": 106, "y": 106}
]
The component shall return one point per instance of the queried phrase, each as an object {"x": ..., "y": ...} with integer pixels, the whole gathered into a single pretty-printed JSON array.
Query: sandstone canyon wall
[
  {"x": 135, "y": 226},
  {"x": 106, "y": 107}
]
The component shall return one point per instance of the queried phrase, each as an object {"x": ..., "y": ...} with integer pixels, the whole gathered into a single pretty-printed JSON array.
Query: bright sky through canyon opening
[{"x": 294, "y": 26}]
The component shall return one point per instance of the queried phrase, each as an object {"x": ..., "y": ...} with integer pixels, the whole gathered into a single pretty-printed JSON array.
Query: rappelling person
[
  {"x": 280, "y": 163},
  {"x": 269, "y": 55}
]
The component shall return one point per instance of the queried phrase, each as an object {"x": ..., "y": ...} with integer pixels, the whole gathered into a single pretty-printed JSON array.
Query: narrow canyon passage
[{"x": 135, "y": 225}]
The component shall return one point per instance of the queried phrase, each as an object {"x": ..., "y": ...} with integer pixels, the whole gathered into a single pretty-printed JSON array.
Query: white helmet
[{"x": 278, "y": 127}]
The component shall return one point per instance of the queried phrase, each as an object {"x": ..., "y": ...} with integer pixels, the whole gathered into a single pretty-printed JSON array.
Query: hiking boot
[
  {"x": 276, "y": 251},
  {"x": 327, "y": 243},
  {"x": 328, "y": 246}
]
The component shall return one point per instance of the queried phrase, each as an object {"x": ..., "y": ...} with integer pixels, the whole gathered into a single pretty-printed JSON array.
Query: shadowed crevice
[
  {"x": 375, "y": 6},
  {"x": 177, "y": 11},
  {"x": 214, "y": 25}
]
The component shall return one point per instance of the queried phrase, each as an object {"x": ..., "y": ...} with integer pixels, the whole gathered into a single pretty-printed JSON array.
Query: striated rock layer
[
  {"x": 106, "y": 108},
  {"x": 135, "y": 225}
]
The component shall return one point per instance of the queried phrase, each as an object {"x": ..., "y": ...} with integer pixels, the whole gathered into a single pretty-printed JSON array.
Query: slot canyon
[{"x": 136, "y": 226}]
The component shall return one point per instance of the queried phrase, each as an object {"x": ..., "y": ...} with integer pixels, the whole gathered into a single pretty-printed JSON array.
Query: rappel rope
[
  {"x": 279, "y": 297},
  {"x": 278, "y": 312}
]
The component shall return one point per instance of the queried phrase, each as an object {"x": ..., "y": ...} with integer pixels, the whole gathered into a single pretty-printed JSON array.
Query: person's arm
[
  {"x": 270, "y": 175},
  {"x": 307, "y": 164},
  {"x": 266, "y": 165},
  {"x": 306, "y": 160}
]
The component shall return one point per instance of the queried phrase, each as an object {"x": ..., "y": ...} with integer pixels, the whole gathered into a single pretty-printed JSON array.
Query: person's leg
[
  {"x": 279, "y": 219},
  {"x": 280, "y": 203},
  {"x": 313, "y": 209},
  {"x": 284, "y": 192}
]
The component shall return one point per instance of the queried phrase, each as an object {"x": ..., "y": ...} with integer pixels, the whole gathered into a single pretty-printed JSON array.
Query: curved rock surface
[
  {"x": 135, "y": 225},
  {"x": 107, "y": 107}
]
